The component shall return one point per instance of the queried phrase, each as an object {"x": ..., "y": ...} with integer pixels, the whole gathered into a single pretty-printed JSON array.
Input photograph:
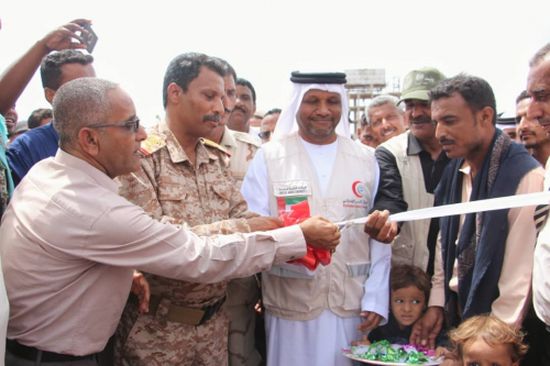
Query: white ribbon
[{"x": 491, "y": 204}]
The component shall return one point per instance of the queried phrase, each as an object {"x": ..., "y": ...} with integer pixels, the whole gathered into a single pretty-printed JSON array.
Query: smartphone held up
[{"x": 89, "y": 37}]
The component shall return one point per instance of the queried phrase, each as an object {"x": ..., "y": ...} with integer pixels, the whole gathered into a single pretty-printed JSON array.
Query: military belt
[{"x": 184, "y": 314}]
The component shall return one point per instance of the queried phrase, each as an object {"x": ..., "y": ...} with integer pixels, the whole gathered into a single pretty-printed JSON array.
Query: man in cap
[
  {"x": 67, "y": 287},
  {"x": 483, "y": 260},
  {"x": 311, "y": 162},
  {"x": 385, "y": 118},
  {"x": 411, "y": 166},
  {"x": 538, "y": 89}
]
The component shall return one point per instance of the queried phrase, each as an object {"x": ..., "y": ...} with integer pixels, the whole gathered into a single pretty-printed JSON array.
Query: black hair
[
  {"x": 273, "y": 111},
  {"x": 523, "y": 95},
  {"x": 248, "y": 84},
  {"x": 186, "y": 67},
  {"x": 476, "y": 91},
  {"x": 50, "y": 68},
  {"x": 38, "y": 115}
]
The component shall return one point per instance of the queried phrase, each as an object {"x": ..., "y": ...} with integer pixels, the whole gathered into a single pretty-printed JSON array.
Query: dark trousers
[
  {"x": 537, "y": 336},
  {"x": 13, "y": 360}
]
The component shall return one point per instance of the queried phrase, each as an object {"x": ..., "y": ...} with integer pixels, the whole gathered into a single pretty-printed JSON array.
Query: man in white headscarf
[{"x": 312, "y": 314}]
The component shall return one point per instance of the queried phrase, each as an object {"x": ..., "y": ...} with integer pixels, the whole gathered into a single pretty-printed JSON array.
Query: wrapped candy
[{"x": 386, "y": 352}]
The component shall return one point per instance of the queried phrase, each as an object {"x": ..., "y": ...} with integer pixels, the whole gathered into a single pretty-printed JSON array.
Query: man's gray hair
[
  {"x": 79, "y": 103},
  {"x": 541, "y": 55},
  {"x": 381, "y": 100}
]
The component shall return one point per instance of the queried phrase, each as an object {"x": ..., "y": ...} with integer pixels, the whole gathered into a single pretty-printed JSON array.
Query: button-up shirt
[
  {"x": 514, "y": 284},
  {"x": 69, "y": 244}
]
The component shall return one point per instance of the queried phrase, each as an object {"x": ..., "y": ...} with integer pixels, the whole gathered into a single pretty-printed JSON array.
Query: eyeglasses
[
  {"x": 131, "y": 125},
  {"x": 264, "y": 135}
]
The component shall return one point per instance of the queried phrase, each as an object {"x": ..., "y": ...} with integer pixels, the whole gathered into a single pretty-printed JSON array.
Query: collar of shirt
[
  {"x": 413, "y": 145},
  {"x": 176, "y": 152},
  {"x": 228, "y": 140},
  {"x": 66, "y": 159}
]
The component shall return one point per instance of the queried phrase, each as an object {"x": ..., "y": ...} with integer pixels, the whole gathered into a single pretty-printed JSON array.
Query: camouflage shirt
[{"x": 202, "y": 196}]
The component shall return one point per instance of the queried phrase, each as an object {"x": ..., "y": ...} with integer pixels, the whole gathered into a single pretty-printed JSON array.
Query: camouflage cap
[{"x": 418, "y": 83}]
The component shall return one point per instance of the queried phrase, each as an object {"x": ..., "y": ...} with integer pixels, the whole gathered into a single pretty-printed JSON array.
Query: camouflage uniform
[
  {"x": 242, "y": 293},
  {"x": 171, "y": 189}
]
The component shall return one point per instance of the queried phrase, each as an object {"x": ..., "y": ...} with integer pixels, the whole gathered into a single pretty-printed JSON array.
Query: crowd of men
[{"x": 214, "y": 240}]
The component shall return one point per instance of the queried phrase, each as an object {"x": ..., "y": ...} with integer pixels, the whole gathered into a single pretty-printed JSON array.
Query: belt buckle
[{"x": 185, "y": 315}]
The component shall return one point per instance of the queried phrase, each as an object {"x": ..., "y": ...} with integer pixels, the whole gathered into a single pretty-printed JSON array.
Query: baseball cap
[{"x": 418, "y": 83}]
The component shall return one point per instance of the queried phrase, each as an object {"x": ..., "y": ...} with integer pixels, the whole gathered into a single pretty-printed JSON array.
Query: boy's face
[
  {"x": 479, "y": 353},
  {"x": 407, "y": 305}
]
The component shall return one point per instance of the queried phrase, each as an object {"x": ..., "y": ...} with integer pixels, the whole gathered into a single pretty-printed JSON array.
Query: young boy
[
  {"x": 410, "y": 289},
  {"x": 485, "y": 340}
]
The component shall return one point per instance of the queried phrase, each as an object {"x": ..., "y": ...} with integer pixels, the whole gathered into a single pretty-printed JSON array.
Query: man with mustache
[
  {"x": 483, "y": 260},
  {"x": 240, "y": 146},
  {"x": 411, "y": 166},
  {"x": 311, "y": 161},
  {"x": 538, "y": 90},
  {"x": 245, "y": 107},
  {"x": 531, "y": 134},
  {"x": 242, "y": 293},
  {"x": 385, "y": 118},
  {"x": 184, "y": 180}
]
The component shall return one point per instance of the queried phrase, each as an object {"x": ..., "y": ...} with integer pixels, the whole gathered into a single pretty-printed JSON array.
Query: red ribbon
[{"x": 298, "y": 213}]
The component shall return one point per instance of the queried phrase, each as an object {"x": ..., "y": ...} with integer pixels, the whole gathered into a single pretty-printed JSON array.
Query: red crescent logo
[{"x": 354, "y": 189}]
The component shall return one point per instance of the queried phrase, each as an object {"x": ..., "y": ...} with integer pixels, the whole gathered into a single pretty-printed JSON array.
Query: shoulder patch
[
  {"x": 153, "y": 143},
  {"x": 212, "y": 144},
  {"x": 247, "y": 138}
]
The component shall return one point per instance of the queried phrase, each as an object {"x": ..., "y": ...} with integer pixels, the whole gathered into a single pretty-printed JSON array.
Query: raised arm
[{"x": 16, "y": 77}]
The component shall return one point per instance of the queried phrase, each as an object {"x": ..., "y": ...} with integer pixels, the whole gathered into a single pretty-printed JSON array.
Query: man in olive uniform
[{"x": 183, "y": 179}]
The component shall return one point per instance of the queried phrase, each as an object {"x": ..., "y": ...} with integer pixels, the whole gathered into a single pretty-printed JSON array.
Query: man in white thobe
[{"x": 312, "y": 314}]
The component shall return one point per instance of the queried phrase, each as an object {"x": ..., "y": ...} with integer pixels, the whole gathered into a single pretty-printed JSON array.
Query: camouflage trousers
[
  {"x": 242, "y": 295},
  {"x": 154, "y": 341}
]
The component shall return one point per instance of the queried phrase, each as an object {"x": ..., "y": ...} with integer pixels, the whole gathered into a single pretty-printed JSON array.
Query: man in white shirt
[
  {"x": 312, "y": 314},
  {"x": 538, "y": 89}
]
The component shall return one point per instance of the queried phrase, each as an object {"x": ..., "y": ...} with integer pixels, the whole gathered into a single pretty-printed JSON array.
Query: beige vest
[
  {"x": 411, "y": 246},
  {"x": 338, "y": 286}
]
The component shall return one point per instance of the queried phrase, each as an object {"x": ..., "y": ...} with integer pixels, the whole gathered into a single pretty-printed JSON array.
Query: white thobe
[{"x": 318, "y": 341}]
